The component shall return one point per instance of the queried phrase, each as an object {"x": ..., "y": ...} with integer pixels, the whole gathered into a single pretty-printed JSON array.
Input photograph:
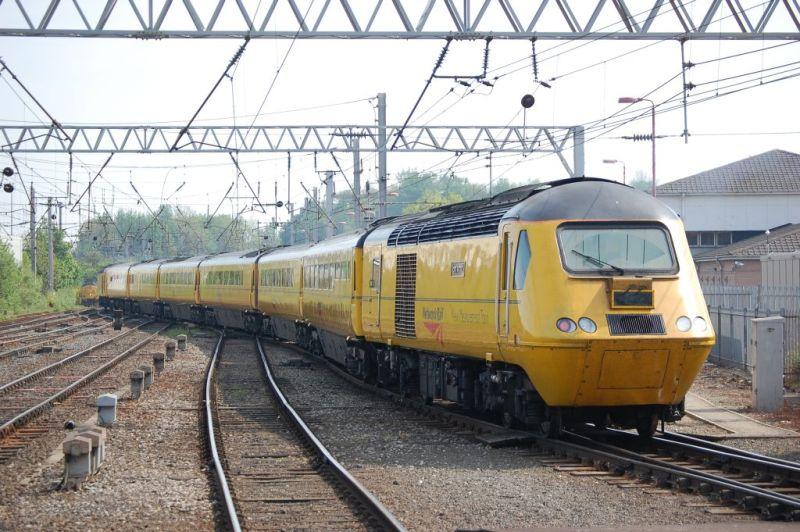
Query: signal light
[
  {"x": 700, "y": 324},
  {"x": 566, "y": 325},
  {"x": 8, "y": 187},
  {"x": 683, "y": 323}
]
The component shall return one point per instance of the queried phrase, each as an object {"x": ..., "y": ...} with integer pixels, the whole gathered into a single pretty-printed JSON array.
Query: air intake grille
[
  {"x": 635, "y": 324},
  {"x": 471, "y": 223},
  {"x": 405, "y": 296}
]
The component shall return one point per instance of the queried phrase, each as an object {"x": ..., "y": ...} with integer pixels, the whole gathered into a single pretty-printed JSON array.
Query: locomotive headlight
[
  {"x": 566, "y": 325},
  {"x": 700, "y": 324},
  {"x": 683, "y": 323},
  {"x": 587, "y": 325}
]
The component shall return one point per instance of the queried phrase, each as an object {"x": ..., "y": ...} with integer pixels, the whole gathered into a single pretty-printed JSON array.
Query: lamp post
[
  {"x": 629, "y": 99},
  {"x": 615, "y": 161}
]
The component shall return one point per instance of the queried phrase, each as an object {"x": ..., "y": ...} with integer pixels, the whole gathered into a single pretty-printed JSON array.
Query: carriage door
[
  {"x": 371, "y": 307},
  {"x": 502, "y": 301}
]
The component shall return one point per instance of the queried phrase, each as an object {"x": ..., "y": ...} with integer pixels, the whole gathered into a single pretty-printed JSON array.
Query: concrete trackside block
[
  {"x": 97, "y": 435},
  {"x": 767, "y": 354},
  {"x": 182, "y": 342},
  {"x": 106, "y": 409},
  {"x": 77, "y": 460},
  {"x": 169, "y": 349},
  {"x": 158, "y": 363},
  {"x": 148, "y": 375},
  {"x": 137, "y": 384}
]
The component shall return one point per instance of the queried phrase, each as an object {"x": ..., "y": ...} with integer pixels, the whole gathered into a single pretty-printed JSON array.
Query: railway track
[
  {"x": 735, "y": 481},
  {"x": 30, "y": 319},
  {"x": 42, "y": 330},
  {"x": 9, "y": 330},
  {"x": 271, "y": 470},
  {"x": 43, "y": 339},
  {"x": 25, "y": 398}
]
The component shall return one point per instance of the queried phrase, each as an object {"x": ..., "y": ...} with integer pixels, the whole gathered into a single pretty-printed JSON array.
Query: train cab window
[
  {"x": 616, "y": 249},
  {"x": 522, "y": 261}
]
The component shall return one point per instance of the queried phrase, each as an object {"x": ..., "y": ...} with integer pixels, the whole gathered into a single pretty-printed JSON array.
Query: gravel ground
[
  {"x": 154, "y": 475},
  {"x": 730, "y": 388},
  {"x": 433, "y": 478}
]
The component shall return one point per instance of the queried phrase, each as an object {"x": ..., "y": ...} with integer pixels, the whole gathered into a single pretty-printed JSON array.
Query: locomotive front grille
[
  {"x": 628, "y": 324},
  {"x": 405, "y": 296}
]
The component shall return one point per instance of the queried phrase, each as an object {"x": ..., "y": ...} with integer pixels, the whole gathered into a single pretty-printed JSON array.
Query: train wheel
[
  {"x": 553, "y": 425},
  {"x": 646, "y": 426}
]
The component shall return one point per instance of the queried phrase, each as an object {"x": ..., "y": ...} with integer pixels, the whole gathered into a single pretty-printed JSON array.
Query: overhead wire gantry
[{"x": 404, "y": 19}]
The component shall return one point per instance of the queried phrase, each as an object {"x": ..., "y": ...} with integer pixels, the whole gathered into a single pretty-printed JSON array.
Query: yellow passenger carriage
[
  {"x": 280, "y": 290},
  {"x": 177, "y": 288},
  {"x": 143, "y": 287},
  {"x": 114, "y": 285},
  {"x": 227, "y": 289},
  {"x": 331, "y": 288}
]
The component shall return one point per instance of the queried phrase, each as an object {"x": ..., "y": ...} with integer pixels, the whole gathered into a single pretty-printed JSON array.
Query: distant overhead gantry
[
  {"x": 404, "y": 19},
  {"x": 290, "y": 139}
]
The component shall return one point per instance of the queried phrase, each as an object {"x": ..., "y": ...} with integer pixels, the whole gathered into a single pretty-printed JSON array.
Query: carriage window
[
  {"x": 375, "y": 281},
  {"x": 616, "y": 249},
  {"x": 506, "y": 261},
  {"x": 522, "y": 261}
]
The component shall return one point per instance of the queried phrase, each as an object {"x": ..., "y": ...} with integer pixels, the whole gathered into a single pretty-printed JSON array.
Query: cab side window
[{"x": 522, "y": 261}]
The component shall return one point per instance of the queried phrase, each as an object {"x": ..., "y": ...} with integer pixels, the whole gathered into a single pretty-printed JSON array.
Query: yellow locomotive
[
  {"x": 564, "y": 302},
  {"x": 87, "y": 295}
]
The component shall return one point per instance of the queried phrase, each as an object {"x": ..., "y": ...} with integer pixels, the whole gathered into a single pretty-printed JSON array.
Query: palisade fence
[{"x": 732, "y": 307}]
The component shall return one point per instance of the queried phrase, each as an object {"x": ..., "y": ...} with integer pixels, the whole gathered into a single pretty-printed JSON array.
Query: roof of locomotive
[
  {"x": 589, "y": 199},
  {"x": 579, "y": 198}
]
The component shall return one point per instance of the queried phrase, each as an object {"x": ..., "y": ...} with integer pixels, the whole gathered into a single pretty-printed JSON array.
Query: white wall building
[
  {"x": 15, "y": 243},
  {"x": 738, "y": 200}
]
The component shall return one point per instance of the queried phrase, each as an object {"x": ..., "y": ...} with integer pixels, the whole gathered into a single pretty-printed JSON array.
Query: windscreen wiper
[{"x": 598, "y": 262}]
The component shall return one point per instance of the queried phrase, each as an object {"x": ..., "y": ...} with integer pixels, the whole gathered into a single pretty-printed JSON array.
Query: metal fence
[{"x": 732, "y": 307}]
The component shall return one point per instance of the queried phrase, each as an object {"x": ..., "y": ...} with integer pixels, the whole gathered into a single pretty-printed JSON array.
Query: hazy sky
[{"x": 154, "y": 82}]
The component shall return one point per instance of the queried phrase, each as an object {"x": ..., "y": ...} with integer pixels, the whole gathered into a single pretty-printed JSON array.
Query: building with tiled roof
[
  {"x": 738, "y": 200},
  {"x": 741, "y": 263},
  {"x": 773, "y": 172}
]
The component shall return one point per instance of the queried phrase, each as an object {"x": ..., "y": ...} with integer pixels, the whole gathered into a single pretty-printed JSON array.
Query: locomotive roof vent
[{"x": 449, "y": 226}]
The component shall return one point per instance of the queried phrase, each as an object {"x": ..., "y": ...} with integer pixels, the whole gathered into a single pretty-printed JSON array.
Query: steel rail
[
  {"x": 20, "y": 332},
  {"x": 35, "y": 320},
  {"x": 27, "y": 347},
  {"x": 675, "y": 436},
  {"x": 35, "y": 335},
  {"x": 64, "y": 361},
  {"x": 387, "y": 520},
  {"x": 222, "y": 480},
  {"x": 720, "y": 455},
  {"x": 20, "y": 419},
  {"x": 27, "y": 319},
  {"x": 771, "y": 504}
]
